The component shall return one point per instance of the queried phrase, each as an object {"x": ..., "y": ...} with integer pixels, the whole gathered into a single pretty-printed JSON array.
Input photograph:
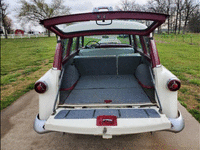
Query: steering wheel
[{"x": 92, "y": 45}]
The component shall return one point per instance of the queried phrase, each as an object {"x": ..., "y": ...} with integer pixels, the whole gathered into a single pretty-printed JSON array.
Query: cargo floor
[{"x": 121, "y": 89}]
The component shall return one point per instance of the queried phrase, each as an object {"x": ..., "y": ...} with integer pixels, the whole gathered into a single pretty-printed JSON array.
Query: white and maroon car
[{"x": 107, "y": 78}]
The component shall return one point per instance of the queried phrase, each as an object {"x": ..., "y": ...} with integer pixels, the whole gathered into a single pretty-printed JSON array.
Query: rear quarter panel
[
  {"x": 47, "y": 99},
  {"x": 167, "y": 98}
]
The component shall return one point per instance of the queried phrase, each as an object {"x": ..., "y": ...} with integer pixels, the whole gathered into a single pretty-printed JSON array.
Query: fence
[{"x": 14, "y": 36}]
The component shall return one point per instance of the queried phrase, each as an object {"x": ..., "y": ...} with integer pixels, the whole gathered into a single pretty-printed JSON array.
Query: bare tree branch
[
  {"x": 36, "y": 10},
  {"x": 6, "y": 21}
]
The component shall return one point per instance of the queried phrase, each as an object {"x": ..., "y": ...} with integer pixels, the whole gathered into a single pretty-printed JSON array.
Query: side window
[
  {"x": 80, "y": 42},
  {"x": 64, "y": 44},
  {"x": 139, "y": 45},
  {"x": 147, "y": 44},
  {"x": 73, "y": 47}
]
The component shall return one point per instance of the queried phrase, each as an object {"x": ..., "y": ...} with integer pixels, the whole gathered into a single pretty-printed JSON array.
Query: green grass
[
  {"x": 183, "y": 104},
  {"x": 194, "y": 81},
  {"x": 7, "y": 79},
  {"x": 19, "y": 59},
  {"x": 184, "y": 90},
  {"x": 124, "y": 40},
  {"x": 14, "y": 96},
  {"x": 17, "y": 54},
  {"x": 195, "y": 113},
  {"x": 88, "y": 39},
  {"x": 29, "y": 70},
  {"x": 180, "y": 57}
]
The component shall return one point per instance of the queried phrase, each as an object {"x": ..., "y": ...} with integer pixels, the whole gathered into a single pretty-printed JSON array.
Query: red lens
[
  {"x": 174, "y": 85},
  {"x": 40, "y": 87}
]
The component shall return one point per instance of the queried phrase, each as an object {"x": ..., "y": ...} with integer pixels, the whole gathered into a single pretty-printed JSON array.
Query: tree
[
  {"x": 127, "y": 5},
  {"x": 190, "y": 7},
  {"x": 158, "y": 6},
  {"x": 194, "y": 22},
  {"x": 36, "y": 10},
  {"x": 6, "y": 23}
]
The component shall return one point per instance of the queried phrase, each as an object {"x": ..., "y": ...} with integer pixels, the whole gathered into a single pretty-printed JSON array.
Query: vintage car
[{"x": 107, "y": 88}]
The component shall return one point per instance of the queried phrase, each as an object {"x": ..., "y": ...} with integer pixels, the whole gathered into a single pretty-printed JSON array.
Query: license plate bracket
[{"x": 106, "y": 120}]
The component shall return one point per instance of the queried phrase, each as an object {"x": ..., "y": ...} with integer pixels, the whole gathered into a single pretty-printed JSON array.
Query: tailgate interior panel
[{"x": 119, "y": 113}]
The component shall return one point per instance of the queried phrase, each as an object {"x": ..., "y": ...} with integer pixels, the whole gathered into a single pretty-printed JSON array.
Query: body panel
[
  {"x": 168, "y": 98},
  {"x": 47, "y": 99}
]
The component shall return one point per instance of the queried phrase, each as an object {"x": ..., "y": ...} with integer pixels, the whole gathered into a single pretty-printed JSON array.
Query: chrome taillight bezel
[
  {"x": 172, "y": 82},
  {"x": 43, "y": 85}
]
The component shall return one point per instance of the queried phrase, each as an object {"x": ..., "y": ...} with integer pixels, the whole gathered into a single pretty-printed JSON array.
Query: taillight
[
  {"x": 173, "y": 84},
  {"x": 40, "y": 87}
]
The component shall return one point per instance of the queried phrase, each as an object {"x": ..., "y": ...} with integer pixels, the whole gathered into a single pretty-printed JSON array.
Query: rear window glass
[
  {"x": 107, "y": 39},
  {"x": 124, "y": 38},
  {"x": 139, "y": 25}
]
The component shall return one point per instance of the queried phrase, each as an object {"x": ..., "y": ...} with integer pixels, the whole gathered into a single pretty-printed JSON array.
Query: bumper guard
[
  {"x": 39, "y": 125},
  {"x": 178, "y": 124}
]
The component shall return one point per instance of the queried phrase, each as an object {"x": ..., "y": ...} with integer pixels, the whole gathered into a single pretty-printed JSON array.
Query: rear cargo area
[
  {"x": 116, "y": 79},
  {"x": 119, "y": 89}
]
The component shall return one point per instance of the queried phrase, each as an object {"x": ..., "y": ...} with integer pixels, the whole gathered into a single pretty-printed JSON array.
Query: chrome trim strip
[{"x": 107, "y": 105}]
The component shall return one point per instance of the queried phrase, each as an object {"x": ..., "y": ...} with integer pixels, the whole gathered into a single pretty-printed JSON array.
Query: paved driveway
[{"x": 17, "y": 133}]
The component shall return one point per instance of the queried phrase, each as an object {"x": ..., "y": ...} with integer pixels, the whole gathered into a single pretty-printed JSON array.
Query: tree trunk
[
  {"x": 159, "y": 30},
  {"x": 175, "y": 28},
  {"x": 186, "y": 20},
  {"x": 48, "y": 33},
  {"x": 168, "y": 23},
  {"x": 186, "y": 15},
  {"x": 6, "y": 35},
  {"x": 179, "y": 28}
]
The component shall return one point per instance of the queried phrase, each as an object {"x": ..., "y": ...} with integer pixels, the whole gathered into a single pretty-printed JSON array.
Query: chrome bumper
[
  {"x": 39, "y": 125},
  {"x": 178, "y": 124}
]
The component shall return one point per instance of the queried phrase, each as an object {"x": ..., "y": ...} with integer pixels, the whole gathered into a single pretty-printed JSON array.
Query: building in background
[{"x": 18, "y": 31}]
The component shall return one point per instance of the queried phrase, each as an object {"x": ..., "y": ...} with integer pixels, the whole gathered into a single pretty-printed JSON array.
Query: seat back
[
  {"x": 96, "y": 65},
  {"x": 127, "y": 63}
]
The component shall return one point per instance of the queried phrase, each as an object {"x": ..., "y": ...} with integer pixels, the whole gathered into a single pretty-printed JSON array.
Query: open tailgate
[{"x": 107, "y": 122}]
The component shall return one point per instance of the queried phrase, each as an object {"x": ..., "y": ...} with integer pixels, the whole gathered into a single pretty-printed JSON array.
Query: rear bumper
[
  {"x": 177, "y": 125},
  {"x": 38, "y": 125}
]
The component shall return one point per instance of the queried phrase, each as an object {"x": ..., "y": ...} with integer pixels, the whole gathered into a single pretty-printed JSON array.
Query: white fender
[
  {"x": 47, "y": 99},
  {"x": 168, "y": 99}
]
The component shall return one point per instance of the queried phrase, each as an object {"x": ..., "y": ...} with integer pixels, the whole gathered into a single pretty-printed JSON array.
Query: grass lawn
[{"x": 24, "y": 61}]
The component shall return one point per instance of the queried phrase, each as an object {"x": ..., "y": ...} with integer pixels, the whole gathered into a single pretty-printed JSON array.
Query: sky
[{"x": 77, "y": 6}]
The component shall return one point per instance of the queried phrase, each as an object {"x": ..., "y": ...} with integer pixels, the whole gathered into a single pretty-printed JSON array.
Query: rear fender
[
  {"x": 47, "y": 99},
  {"x": 167, "y": 98}
]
